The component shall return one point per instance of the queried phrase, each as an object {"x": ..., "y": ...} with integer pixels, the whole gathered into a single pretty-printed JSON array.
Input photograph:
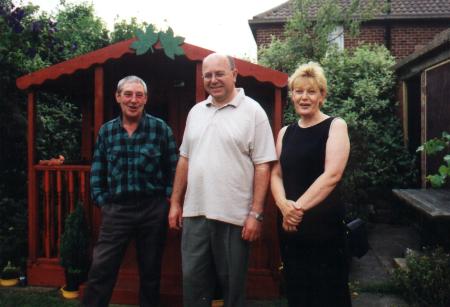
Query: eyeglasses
[
  {"x": 218, "y": 75},
  {"x": 129, "y": 95}
]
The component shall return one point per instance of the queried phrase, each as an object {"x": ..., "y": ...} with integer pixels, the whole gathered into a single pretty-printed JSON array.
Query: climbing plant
[{"x": 432, "y": 147}]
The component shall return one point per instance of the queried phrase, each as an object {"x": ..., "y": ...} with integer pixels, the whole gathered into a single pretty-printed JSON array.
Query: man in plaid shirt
[{"x": 132, "y": 173}]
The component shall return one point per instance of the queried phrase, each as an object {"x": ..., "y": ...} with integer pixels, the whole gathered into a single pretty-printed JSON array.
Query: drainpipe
[{"x": 387, "y": 32}]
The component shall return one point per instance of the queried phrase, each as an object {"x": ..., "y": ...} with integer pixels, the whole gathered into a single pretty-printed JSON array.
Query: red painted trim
[
  {"x": 63, "y": 167},
  {"x": 99, "y": 101},
  {"x": 47, "y": 214},
  {"x": 68, "y": 67},
  {"x": 277, "y": 113},
  {"x": 32, "y": 199},
  {"x": 115, "y": 51},
  {"x": 59, "y": 207},
  {"x": 86, "y": 129},
  {"x": 200, "y": 94}
]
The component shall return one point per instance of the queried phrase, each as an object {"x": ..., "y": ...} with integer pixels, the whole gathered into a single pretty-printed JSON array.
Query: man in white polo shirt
[{"x": 223, "y": 173}]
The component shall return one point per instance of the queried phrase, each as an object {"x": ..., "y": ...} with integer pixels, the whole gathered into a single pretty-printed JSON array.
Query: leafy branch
[
  {"x": 146, "y": 40},
  {"x": 432, "y": 147}
]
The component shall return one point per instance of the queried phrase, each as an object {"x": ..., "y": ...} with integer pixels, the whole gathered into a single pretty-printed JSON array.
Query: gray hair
[
  {"x": 131, "y": 79},
  {"x": 231, "y": 62}
]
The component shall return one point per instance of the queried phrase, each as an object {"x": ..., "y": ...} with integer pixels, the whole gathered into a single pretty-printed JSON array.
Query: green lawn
[
  {"x": 28, "y": 297},
  {"x": 37, "y": 297}
]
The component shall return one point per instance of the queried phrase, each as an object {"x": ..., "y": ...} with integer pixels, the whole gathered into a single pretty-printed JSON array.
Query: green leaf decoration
[
  {"x": 145, "y": 41},
  {"x": 170, "y": 44}
]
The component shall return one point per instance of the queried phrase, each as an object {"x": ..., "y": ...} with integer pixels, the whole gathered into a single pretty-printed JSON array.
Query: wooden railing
[{"x": 58, "y": 189}]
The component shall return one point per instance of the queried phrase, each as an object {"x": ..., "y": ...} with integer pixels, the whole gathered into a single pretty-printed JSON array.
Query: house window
[{"x": 337, "y": 37}]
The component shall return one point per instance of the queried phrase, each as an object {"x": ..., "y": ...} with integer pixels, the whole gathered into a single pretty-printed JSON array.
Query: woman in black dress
[{"x": 313, "y": 153}]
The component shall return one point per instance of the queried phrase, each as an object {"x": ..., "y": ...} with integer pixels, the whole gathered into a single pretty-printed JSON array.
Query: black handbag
[{"x": 357, "y": 241}]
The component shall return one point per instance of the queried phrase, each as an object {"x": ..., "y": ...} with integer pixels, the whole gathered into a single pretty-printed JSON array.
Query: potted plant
[
  {"x": 9, "y": 275},
  {"x": 74, "y": 251}
]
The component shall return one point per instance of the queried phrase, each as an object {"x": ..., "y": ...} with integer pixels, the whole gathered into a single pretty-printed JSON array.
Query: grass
[
  {"x": 43, "y": 297},
  {"x": 29, "y": 297},
  {"x": 382, "y": 287}
]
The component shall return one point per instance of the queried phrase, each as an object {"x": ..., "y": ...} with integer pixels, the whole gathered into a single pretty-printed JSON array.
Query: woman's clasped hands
[{"x": 292, "y": 215}]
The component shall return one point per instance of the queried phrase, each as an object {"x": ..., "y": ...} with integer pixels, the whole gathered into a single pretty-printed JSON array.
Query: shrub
[
  {"x": 13, "y": 231},
  {"x": 10, "y": 271},
  {"x": 58, "y": 128},
  {"x": 426, "y": 279},
  {"x": 74, "y": 246},
  {"x": 361, "y": 90}
]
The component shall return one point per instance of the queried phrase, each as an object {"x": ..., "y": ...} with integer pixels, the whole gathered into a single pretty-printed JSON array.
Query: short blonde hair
[{"x": 312, "y": 71}]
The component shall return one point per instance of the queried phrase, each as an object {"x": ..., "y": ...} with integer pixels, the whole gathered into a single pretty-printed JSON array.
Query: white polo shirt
[{"x": 222, "y": 145}]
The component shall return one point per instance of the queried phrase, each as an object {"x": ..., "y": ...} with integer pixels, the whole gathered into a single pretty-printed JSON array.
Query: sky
[{"x": 220, "y": 26}]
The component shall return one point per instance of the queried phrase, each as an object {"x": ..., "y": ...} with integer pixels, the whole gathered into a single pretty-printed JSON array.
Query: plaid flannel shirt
[{"x": 143, "y": 163}]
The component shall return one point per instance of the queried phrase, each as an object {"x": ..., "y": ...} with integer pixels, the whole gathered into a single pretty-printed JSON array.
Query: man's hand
[
  {"x": 175, "y": 216},
  {"x": 252, "y": 229}
]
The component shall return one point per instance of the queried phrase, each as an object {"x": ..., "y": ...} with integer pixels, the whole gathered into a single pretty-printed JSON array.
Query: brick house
[{"x": 406, "y": 27}]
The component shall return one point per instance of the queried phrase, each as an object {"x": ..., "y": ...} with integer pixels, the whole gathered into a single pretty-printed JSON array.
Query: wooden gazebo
[{"x": 174, "y": 87}]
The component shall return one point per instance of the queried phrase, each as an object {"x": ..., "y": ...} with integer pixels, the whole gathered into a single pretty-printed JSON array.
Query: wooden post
[
  {"x": 423, "y": 137},
  {"x": 47, "y": 214},
  {"x": 99, "y": 103},
  {"x": 277, "y": 113},
  {"x": 59, "y": 208},
  {"x": 32, "y": 197},
  {"x": 82, "y": 187},
  {"x": 86, "y": 129},
  {"x": 199, "y": 89},
  {"x": 70, "y": 188}
]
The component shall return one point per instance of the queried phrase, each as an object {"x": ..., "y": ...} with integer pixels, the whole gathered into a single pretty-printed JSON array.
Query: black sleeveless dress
[
  {"x": 302, "y": 160},
  {"x": 315, "y": 266}
]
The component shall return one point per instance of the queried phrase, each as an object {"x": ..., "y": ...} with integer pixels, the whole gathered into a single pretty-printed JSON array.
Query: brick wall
[
  {"x": 264, "y": 34},
  {"x": 367, "y": 34},
  {"x": 408, "y": 38},
  {"x": 405, "y": 37}
]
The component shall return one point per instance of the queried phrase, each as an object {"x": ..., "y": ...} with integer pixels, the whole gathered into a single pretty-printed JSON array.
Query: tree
[
  {"x": 29, "y": 41},
  {"x": 78, "y": 30},
  {"x": 125, "y": 30},
  {"x": 311, "y": 30}
]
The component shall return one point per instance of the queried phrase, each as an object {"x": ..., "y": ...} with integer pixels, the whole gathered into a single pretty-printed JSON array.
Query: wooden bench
[
  {"x": 433, "y": 202},
  {"x": 433, "y": 206}
]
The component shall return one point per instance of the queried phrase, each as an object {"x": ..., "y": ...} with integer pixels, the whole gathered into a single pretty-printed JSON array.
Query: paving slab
[{"x": 377, "y": 300}]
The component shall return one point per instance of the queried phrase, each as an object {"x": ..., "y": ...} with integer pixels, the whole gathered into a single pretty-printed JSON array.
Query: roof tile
[{"x": 399, "y": 9}]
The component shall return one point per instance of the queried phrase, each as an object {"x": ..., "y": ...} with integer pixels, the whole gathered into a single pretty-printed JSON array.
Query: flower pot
[
  {"x": 217, "y": 303},
  {"x": 9, "y": 282},
  {"x": 69, "y": 294}
]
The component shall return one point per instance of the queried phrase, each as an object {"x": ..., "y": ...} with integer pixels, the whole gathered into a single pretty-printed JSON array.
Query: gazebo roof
[{"x": 120, "y": 49}]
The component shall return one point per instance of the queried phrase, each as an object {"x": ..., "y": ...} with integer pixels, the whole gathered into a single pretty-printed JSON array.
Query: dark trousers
[
  {"x": 210, "y": 247},
  {"x": 144, "y": 220},
  {"x": 316, "y": 274}
]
